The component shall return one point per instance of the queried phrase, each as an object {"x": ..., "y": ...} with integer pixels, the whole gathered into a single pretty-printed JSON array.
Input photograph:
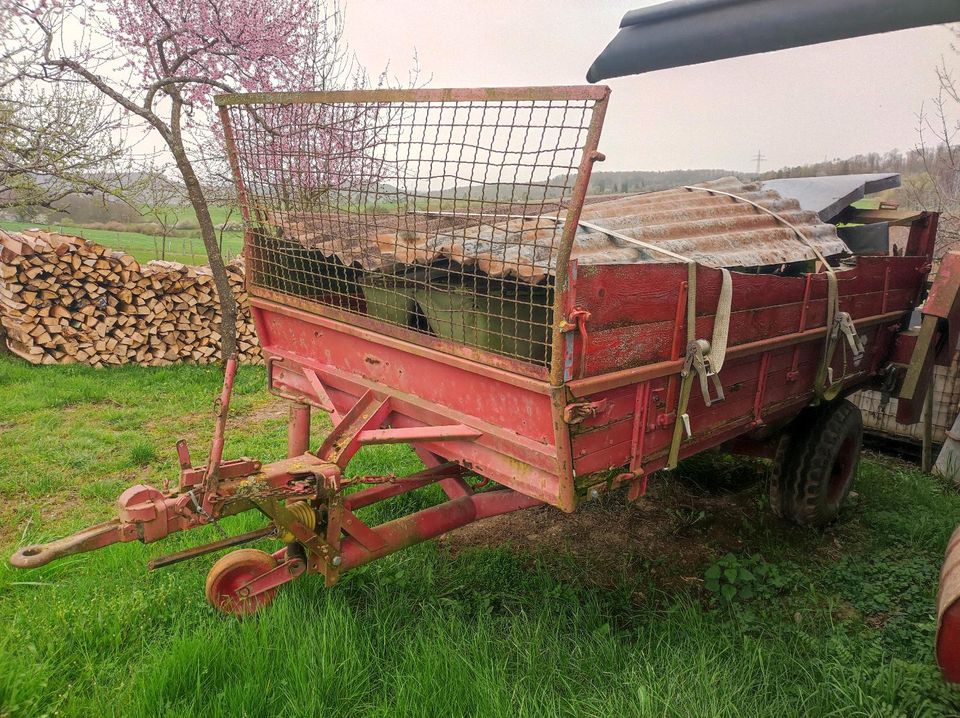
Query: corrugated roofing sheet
[{"x": 712, "y": 229}]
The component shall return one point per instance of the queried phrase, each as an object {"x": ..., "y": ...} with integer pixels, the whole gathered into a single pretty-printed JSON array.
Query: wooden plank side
[
  {"x": 604, "y": 446},
  {"x": 616, "y": 295},
  {"x": 595, "y": 450},
  {"x": 624, "y": 347}
]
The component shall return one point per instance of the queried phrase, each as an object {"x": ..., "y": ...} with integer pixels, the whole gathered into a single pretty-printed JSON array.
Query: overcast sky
[{"x": 801, "y": 105}]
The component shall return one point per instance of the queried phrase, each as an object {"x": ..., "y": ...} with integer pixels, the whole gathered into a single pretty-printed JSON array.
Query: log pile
[{"x": 65, "y": 300}]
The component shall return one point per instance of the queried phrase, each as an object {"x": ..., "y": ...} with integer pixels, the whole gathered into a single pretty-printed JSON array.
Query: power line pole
[{"x": 760, "y": 157}]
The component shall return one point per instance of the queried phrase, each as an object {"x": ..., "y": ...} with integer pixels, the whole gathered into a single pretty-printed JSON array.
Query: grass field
[
  {"x": 187, "y": 248},
  {"x": 613, "y": 611}
]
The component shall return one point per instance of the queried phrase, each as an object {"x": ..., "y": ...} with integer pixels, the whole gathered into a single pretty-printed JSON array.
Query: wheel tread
[{"x": 802, "y": 467}]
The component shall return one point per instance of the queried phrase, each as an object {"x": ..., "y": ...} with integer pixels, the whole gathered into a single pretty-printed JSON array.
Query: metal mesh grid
[{"x": 439, "y": 215}]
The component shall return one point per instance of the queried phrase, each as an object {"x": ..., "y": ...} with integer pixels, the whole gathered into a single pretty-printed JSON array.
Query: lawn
[
  {"x": 613, "y": 611},
  {"x": 187, "y": 247}
]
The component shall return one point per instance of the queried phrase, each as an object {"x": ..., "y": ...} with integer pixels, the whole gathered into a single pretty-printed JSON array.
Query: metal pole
[
  {"x": 209, "y": 548},
  {"x": 926, "y": 458},
  {"x": 298, "y": 430}
]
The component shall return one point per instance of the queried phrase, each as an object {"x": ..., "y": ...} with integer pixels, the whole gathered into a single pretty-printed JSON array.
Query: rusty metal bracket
[
  {"x": 577, "y": 320},
  {"x": 575, "y": 413},
  {"x": 234, "y": 468},
  {"x": 282, "y": 573}
]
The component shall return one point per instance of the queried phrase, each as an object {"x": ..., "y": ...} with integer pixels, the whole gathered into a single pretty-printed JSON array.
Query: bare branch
[{"x": 54, "y": 144}]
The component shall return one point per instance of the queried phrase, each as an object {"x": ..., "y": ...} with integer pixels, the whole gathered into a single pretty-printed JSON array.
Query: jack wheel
[
  {"x": 231, "y": 572},
  {"x": 815, "y": 464}
]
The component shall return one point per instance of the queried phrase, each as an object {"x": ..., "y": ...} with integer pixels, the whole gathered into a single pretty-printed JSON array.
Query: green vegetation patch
[{"x": 838, "y": 623}]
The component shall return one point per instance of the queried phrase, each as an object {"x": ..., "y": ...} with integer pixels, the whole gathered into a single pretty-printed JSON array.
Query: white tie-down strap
[
  {"x": 721, "y": 323},
  {"x": 704, "y": 358}
]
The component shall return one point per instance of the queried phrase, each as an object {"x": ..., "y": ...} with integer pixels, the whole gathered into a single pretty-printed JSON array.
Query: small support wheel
[
  {"x": 816, "y": 462},
  {"x": 230, "y": 573}
]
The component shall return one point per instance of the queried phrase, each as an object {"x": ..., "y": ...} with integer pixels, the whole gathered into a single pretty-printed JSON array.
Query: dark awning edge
[{"x": 688, "y": 32}]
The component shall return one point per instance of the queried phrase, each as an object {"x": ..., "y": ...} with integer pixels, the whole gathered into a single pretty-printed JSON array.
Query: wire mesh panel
[{"x": 440, "y": 213}]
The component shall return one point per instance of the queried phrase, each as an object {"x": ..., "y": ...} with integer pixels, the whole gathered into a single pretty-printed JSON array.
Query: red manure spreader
[{"x": 426, "y": 266}]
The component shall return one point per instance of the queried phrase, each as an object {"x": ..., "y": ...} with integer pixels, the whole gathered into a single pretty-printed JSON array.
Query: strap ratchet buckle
[
  {"x": 698, "y": 360},
  {"x": 843, "y": 325}
]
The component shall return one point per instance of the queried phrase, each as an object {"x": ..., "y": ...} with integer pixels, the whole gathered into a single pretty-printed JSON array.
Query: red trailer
[{"x": 425, "y": 266}]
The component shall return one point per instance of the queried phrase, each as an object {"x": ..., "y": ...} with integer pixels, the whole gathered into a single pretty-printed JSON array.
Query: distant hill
[
  {"x": 649, "y": 181},
  {"x": 905, "y": 163},
  {"x": 892, "y": 161},
  {"x": 82, "y": 210}
]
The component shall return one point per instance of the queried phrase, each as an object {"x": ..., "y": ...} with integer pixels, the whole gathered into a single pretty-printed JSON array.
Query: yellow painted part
[{"x": 305, "y": 514}]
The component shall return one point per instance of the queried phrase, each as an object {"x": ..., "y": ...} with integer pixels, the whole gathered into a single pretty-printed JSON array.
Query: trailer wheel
[
  {"x": 231, "y": 572},
  {"x": 815, "y": 464}
]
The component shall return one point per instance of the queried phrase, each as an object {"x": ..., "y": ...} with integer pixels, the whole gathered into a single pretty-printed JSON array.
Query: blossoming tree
[{"x": 161, "y": 61}]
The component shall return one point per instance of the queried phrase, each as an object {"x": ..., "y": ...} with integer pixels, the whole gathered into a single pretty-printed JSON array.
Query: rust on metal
[
  {"x": 204, "y": 549},
  {"x": 426, "y": 267},
  {"x": 88, "y": 539},
  {"x": 442, "y": 212},
  {"x": 948, "y": 612},
  {"x": 548, "y": 93},
  {"x": 713, "y": 230},
  {"x": 298, "y": 429}
]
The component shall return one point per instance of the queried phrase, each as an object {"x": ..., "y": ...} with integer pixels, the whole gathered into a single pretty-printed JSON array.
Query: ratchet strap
[
  {"x": 703, "y": 359},
  {"x": 838, "y": 323}
]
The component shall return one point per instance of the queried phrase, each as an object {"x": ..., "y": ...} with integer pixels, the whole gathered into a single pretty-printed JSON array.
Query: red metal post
[
  {"x": 432, "y": 522},
  {"x": 298, "y": 430},
  {"x": 574, "y": 206}
]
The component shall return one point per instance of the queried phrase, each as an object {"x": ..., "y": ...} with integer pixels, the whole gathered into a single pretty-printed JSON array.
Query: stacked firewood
[{"x": 64, "y": 300}]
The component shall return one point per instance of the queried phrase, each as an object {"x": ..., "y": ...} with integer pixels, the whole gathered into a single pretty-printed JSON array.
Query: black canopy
[{"x": 687, "y": 32}]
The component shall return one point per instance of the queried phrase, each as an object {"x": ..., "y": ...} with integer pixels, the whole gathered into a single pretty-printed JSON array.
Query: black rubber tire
[{"x": 816, "y": 462}]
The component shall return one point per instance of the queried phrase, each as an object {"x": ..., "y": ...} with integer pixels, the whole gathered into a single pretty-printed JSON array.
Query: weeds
[{"x": 735, "y": 578}]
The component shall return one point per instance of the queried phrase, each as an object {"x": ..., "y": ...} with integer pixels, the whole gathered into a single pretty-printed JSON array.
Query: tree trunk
[{"x": 228, "y": 303}]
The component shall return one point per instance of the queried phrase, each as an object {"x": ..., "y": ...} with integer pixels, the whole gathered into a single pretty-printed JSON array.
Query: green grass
[
  {"x": 186, "y": 216},
  {"x": 839, "y": 624},
  {"x": 187, "y": 249}
]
